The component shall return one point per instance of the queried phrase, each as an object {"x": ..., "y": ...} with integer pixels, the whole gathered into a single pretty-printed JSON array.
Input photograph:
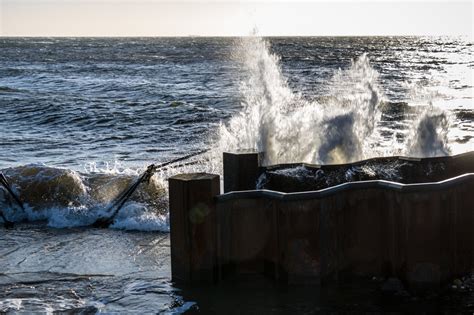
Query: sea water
[{"x": 81, "y": 118}]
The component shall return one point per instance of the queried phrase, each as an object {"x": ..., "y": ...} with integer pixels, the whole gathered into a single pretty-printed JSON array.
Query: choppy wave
[
  {"x": 65, "y": 198},
  {"x": 6, "y": 89}
]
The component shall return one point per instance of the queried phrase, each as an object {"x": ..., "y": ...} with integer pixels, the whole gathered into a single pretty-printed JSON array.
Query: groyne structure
[{"x": 420, "y": 232}]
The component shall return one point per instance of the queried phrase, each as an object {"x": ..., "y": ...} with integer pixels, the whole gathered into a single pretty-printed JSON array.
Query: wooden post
[
  {"x": 193, "y": 227},
  {"x": 241, "y": 170}
]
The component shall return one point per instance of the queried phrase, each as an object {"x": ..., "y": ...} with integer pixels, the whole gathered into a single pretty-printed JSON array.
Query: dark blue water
[
  {"x": 68, "y": 102},
  {"x": 72, "y": 101},
  {"x": 81, "y": 117}
]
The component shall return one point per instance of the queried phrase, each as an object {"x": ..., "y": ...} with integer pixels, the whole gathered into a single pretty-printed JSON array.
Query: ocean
[{"x": 81, "y": 118}]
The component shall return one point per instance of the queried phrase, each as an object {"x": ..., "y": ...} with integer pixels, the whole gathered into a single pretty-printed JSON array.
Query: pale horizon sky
[{"x": 231, "y": 18}]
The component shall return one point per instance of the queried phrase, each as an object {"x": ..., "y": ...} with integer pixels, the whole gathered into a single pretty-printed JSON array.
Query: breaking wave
[{"x": 65, "y": 198}]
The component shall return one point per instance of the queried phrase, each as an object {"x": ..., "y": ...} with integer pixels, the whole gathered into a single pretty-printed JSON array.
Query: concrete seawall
[{"x": 420, "y": 233}]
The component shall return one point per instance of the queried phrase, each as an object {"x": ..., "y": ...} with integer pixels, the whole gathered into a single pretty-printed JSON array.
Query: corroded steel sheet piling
[
  {"x": 241, "y": 170},
  {"x": 193, "y": 227},
  {"x": 353, "y": 241},
  {"x": 421, "y": 233},
  {"x": 298, "y": 241},
  {"x": 247, "y": 238}
]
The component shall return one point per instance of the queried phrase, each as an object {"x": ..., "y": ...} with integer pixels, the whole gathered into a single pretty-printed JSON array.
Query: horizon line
[{"x": 230, "y": 36}]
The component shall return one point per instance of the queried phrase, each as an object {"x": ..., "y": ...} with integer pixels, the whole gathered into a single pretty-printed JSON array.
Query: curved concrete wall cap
[{"x": 433, "y": 186}]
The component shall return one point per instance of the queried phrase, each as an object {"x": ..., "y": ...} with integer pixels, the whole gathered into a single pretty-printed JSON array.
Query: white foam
[
  {"x": 11, "y": 304},
  {"x": 111, "y": 168},
  {"x": 135, "y": 216},
  {"x": 429, "y": 138}
]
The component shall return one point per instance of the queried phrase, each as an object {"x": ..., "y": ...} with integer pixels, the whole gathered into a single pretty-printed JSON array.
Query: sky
[{"x": 232, "y": 18}]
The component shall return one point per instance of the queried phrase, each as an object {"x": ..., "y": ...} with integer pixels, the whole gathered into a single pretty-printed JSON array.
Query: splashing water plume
[
  {"x": 340, "y": 129},
  {"x": 289, "y": 128},
  {"x": 429, "y": 138}
]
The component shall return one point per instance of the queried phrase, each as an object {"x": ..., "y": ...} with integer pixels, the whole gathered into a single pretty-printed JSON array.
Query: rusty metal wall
[{"x": 421, "y": 233}]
